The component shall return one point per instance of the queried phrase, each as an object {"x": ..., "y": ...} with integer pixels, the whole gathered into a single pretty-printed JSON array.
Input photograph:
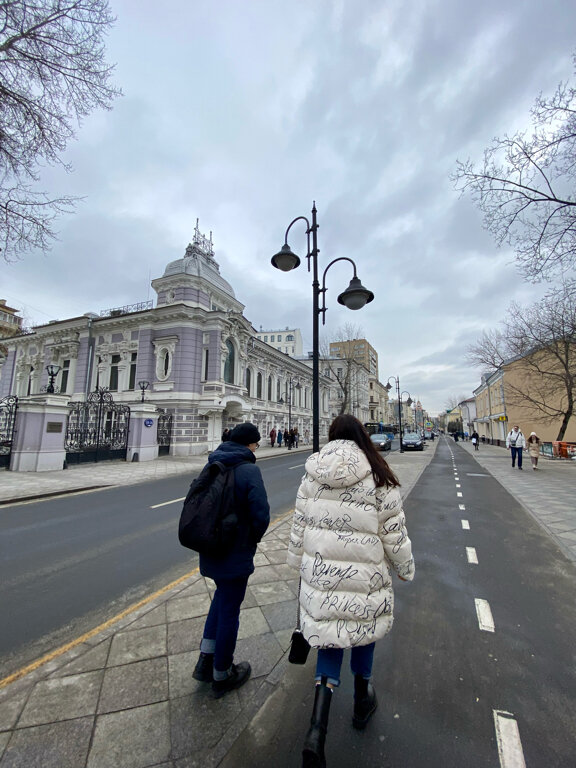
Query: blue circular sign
[{"x": 148, "y": 422}]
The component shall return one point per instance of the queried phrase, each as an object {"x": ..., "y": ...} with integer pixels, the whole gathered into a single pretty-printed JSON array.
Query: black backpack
[{"x": 209, "y": 518}]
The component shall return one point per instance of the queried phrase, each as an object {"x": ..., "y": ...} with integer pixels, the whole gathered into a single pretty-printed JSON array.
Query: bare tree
[
  {"x": 342, "y": 369},
  {"x": 52, "y": 74},
  {"x": 452, "y": 401},
  {"x": 541, "y": 342},
  {"x": 524, "y": 187}
]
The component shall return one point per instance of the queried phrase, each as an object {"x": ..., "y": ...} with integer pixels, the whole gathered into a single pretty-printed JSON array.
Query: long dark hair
[{"x": 347, "y": 427}]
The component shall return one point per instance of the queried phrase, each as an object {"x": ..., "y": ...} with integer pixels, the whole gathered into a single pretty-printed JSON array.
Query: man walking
[
  {"x": 516, "y": 442},
  {"x": 231, "y": 572}
]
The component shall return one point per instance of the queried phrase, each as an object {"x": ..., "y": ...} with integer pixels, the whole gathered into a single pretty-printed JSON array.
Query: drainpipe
[{"x": 90, "y": 360}]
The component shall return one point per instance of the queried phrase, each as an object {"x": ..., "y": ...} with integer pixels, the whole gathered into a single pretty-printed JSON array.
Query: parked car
[
  {"x": 381, "y": 442},
  {"x": 412, "y": 442}
]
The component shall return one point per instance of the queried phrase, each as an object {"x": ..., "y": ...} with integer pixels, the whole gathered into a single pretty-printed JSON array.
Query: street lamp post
[
  {"x": 289, "y": 392},
  {"x": 408, "y": 401},
  {"x": 143, "y": 387},
  {"x": 354, "y": 297},
  {"x": 53, "y": 371}
]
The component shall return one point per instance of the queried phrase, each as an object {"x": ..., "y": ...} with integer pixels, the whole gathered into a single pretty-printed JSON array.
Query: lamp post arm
[
  {"x": 308, "y": 230},
  {"x": 322, "y": 290}
]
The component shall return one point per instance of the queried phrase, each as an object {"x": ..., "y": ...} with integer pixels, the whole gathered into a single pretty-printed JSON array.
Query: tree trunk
[{"x": 565, "y": 420}]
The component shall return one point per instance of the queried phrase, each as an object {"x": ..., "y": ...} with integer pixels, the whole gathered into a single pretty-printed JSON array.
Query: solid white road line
[
  {"x": 485, "y": 620},
  {"x": 508, "y": 738},
  {"x": 466, "y": 525},
  {"x": 165, "y": 503},
  {"x": 471, "y": 555},
  {"x": 297, "y": 466}
]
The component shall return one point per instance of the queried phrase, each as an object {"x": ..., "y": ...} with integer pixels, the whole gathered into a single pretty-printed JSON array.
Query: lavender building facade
[{"x": 202, "y": 360}]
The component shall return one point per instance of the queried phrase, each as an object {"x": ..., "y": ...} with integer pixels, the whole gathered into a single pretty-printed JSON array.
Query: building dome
[{"x": 199, "y": 261}]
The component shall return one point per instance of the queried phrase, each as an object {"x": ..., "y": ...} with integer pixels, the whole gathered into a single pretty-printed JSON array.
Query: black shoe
[
  {"x": 313, "y": 752},
  {"x": 365, "y": 702},
  {"x": 237, "y": 677},
  {"x": 519, "y": 467},
  {"x": 204, "y": 667}
]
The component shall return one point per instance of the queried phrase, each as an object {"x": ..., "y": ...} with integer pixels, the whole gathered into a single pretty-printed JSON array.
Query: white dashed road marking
[
  {"x": 466, "y": 525},
  {"x": 165, "y": 503},
  {"x": 485, "y": 620},
  {"x": 471, "y": 555},
  {"x": 461, "y": 506},
  {"x": 458, "y": 493},
  {"x": 508, "y": 738}
]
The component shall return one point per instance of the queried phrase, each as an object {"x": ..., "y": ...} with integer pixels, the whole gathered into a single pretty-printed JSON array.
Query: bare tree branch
[
  {"x": 524, "y": 188},
  {"x": 540, "y": 341},
  {"x": 52, "y": 74}
]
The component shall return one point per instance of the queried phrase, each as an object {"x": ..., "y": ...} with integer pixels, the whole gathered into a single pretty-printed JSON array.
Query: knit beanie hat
[{"x": 245, "y": 434}]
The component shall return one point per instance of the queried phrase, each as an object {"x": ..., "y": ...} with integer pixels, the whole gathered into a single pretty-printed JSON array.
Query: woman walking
[
  {"x": 534, "y": 449},
  {"x": 348, "y": 534}
]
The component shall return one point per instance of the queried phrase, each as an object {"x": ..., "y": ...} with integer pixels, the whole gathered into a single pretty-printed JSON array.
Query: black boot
[
  {"x": 204, "y": 667},
  {"x": 313, "y": 752},
  {"x": 239, "y": 674},
  {"x": 365, "y": 702}
]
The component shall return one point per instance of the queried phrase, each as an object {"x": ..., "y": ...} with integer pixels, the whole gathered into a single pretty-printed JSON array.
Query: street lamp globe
[
  {"x": 355, "y": 296},
  {"x": 285, "y": 260}
]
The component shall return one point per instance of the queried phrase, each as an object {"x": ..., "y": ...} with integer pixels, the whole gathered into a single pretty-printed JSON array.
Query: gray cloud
[{"x": 242, "y": 115}]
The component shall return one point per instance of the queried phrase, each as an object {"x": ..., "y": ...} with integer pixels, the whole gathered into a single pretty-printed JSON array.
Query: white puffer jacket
[{"x": 346, "y": 535}]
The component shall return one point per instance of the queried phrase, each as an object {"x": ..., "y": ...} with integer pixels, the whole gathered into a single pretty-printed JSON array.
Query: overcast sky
[{"x": 241, "y": 113}]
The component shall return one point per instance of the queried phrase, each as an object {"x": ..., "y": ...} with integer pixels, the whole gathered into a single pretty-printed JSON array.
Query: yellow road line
[{"x": 82, "y": 639}]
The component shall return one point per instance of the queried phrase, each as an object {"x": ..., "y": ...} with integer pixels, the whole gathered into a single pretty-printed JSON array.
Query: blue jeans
[
  {"x": 223, "y": 620},
  {"x": 330, "y": 662},
  {"x": 516, "y": 452}
]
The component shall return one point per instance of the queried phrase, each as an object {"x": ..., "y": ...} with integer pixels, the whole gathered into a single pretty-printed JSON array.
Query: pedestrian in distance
[
  {"x": 534, "y": 449},
  {"x": 287, "y": 439},
  {"x": 516, "y": 442},
  {"x": 231, "y": 571},
  {"x": 475, "y": 440},
  {"x": 279, "y": 437},
  {"x": 348, "y": 535},
  {"x": 272, "y": 437},
  {"x": 225, "y": 435}
]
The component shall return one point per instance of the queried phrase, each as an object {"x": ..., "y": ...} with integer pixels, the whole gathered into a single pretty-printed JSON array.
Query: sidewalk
[{"x": 124, "y": 697}]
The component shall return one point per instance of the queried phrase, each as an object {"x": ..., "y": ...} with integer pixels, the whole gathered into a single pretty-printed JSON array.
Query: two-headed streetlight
[
  {"x": 408, "y": 402},
  {"x": 354, "y": 297}
]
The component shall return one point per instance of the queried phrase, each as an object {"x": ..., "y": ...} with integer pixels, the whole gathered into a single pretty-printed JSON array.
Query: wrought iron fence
[
  {"x": 8, "y": 408},
  {"x": 97, "y": 429}
]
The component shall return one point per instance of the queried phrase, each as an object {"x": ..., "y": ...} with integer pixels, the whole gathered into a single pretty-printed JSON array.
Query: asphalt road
[
  {"x": 70, "y": 563},
  {"x": 443, "y": 682}
]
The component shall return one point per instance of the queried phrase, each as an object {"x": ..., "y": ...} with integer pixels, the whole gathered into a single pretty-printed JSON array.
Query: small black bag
[{"x": 299, "y": 646}]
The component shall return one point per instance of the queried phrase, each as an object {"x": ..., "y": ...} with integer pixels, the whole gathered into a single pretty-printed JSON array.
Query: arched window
[
  {"x": 269, "y": 387},
  {"x": 248, "y": 381},
  {"x": 229, "y": 363},
  {"x": 289, "y": 337},
  {"x": 259, "y": 386}
]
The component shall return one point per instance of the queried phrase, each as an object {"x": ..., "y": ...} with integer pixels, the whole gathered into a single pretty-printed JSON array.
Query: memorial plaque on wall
[{"x": 54, "y": 426}]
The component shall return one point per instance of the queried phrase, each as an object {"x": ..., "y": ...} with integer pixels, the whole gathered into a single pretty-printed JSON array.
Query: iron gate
[
  {"x": 8, "y": 408},
  {"x": 164, "y": 434},
  {"x": 97, "y": 430}
]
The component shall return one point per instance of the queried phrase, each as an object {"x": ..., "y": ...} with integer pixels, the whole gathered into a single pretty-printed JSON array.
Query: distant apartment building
[
  {"x": 10, "y": 323},
  {"x": 359, "y": 350},
  {"x": 287, "y": 340}
]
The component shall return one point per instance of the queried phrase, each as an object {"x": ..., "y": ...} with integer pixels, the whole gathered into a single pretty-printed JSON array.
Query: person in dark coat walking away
[
  {"x": 287, "y": 439},
  {"x": 230, "y": 572},
  {"x": 272, "y": 437},
  {"x": 475, "y": 440},
  {"x": 225, "y": 435},
  {"x": 279, "y": 437}
]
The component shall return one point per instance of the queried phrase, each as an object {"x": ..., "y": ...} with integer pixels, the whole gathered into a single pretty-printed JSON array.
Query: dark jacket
[{"x": 253, "y": 509}]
